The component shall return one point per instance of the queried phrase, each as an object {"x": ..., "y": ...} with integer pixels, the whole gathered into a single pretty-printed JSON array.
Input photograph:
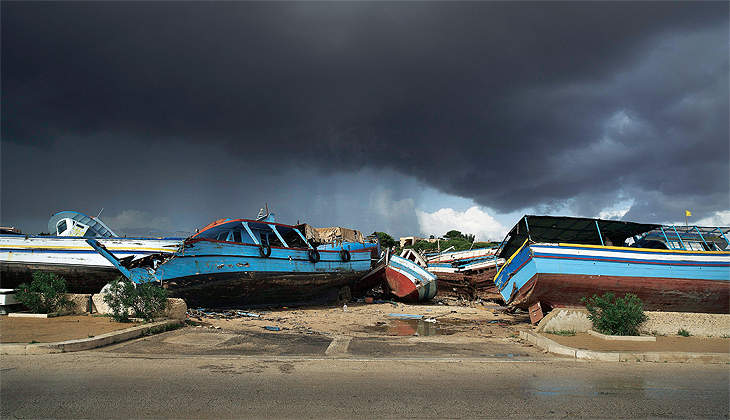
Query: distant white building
[{"x": 411, "y": 240}]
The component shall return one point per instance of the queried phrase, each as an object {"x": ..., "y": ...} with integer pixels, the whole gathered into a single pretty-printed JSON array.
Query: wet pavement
[{"x": 201, "y": 341}]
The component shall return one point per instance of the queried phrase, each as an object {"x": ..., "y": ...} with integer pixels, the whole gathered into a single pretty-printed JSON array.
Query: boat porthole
[
  {"x": 313, "y": 255},
  {"x": 345, "y": 255},
  {"x": 265, "y": 250}
]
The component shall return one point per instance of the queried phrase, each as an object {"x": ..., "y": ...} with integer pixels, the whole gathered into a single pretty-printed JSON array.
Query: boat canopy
[
  {"x": 252, "y": 232},
  {"x": 574, "y": 230},
  {"x": 72, "y": 223},
  {"x": 689, "y": 238}
]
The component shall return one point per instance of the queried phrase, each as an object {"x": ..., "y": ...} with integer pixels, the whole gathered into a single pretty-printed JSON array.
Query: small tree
[
  {"x": 45, "y": 294},
  {"x": 143, "y": 301},
  {"x": 615, "y": 316},
  {"x": 386, "y": 241}
]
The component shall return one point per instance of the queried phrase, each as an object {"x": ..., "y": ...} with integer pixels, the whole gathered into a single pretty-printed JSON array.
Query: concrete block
[
  {"x": 12, "y": 349},
  {"x": 80, "y": 303},
  {"x": 100, "y": 306},
  {"x": 563, "y": 319},
  {"x": 530, "y": 338},
  {"x": 622, "y": 337},
  {"x": 42, "y": 349},
  {"x": 176, "y": 309},
  {"x": 631, "y": 357},
  {"x": 597, "y": 355},
  {"x": 560, "y": 349}
]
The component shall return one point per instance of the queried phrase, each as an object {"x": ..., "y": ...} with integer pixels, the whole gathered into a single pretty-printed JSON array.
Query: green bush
[
  {"x": 145, "y": 301},
  {"x": 45, "y": 294},
  {"x": 615, "y": 316}
]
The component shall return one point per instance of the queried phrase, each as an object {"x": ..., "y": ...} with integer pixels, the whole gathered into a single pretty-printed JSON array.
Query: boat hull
[
  {"x": 84, "y": 270},
  {"x": 79, "y": 278},
  {"x": 260, "y": 289},
  {"x": 408, "y": 281},
  {"x": 213, "y": 273},
  {"x": 561, "y": 275}
]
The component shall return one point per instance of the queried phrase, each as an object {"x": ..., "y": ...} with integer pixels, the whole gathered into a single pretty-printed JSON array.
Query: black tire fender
[
  {"x": 265, "y": 250},
  {"x": 345, "y": 255},
  {"x": 314, "y": 255}
]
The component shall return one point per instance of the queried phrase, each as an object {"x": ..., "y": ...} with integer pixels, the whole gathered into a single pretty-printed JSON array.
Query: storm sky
[{"x": 412, "y": 118}]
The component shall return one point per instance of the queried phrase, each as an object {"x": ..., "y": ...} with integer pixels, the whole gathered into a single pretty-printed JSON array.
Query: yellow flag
[{"x": 687, "y": 213}]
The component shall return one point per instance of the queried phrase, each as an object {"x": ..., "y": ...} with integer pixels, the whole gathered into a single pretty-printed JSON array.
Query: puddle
[{"x": 409, "y": 327}]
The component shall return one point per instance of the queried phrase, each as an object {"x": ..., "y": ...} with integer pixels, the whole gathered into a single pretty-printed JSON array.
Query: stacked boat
[{"x": 66, "y": 253}]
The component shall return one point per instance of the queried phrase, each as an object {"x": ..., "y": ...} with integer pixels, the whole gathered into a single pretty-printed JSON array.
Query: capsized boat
[
  {"x": 404, "y": 279},
  {"x": 257, "y": 263},
  {"x": 66, "y": 253},
  {"x": 556, "y": 261}
]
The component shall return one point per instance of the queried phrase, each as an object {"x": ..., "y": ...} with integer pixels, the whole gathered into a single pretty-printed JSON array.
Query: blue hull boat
[
  {"x": 557, "y": 261},
  {"x": 257, "y": 263}
]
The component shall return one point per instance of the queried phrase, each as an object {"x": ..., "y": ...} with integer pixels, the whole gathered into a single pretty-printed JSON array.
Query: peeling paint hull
[
  {"x": 84, "y": 270},
  {"x": 79, "y": 278},
  {"x": 560, "y": 275},
  {"x": 215, "y": 273},
  {"x": 252, "y": 289},
  {"x": 408, "y": 281}
]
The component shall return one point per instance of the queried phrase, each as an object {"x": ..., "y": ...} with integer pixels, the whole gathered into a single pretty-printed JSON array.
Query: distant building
[{"x": 412, "y": 240}]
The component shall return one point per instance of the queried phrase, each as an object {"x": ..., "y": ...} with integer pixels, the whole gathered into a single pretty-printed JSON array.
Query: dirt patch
[
  {"x": 52, "y": 330},
  {"x": 362, "y": 320}
]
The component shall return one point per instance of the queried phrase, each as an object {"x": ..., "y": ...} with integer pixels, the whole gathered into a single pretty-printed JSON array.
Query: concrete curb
[
  {"x": 86, "y": 343},
  {"x": 611, "y": 356}
]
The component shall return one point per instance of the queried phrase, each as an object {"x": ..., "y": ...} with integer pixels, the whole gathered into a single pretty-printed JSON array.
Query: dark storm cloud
[{"x": 512, "y": 104}]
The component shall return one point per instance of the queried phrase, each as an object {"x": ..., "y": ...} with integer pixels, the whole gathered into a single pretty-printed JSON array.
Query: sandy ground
[
  {"x": 455, "y": 320},
  {"x": 52, "y": 330},
  {"x": 360, "y": 319}
]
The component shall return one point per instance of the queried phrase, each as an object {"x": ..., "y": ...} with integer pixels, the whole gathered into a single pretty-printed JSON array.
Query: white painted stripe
[{"x": 643, "y": 254}]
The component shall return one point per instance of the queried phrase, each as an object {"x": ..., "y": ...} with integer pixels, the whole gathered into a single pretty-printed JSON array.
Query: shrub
[
  {"x": 143, "y": 301},
  {"x": 45, "y": 294},
  {"x": 683, "y": 333},
  {"x": 615, "y": 316}
]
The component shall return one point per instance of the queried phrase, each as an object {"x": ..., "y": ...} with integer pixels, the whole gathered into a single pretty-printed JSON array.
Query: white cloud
[
  {"x": 473, "y": 221},
  {"x": 616, "y": 212},
  {"x": 721, "y": 218}
]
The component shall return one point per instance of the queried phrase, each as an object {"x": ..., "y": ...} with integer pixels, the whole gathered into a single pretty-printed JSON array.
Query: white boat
[{"x": 67, "y": 254}]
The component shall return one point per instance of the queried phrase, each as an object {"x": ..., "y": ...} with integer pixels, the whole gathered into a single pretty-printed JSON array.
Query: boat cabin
[
  {"x": 71, "y": 223},
  {"x": 253, "y": 232},
  {"x": 687, "y": 238}
]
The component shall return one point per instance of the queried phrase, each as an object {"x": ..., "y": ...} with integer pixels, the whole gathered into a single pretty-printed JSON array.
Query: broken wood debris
[{"x": 229, "y": 314}]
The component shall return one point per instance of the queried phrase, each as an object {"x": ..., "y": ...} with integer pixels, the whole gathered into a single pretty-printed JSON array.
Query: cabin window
[
  {"x": 61, "y": 227},
  {"x": 293, "y": 239},
  {"x": 222, "y": 236},
  {"x": 696, "y": 246},
  {"x": 274, "y": 240},
  {"x": 237, "y": 236},
  {"x": 245, "y": 237}
]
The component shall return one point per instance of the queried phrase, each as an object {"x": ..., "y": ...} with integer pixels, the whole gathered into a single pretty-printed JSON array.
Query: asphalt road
[{"x": 167, "y": 377}]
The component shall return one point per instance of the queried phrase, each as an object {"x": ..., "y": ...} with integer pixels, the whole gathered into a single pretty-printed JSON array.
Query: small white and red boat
[{"x": 408, "y": 281}]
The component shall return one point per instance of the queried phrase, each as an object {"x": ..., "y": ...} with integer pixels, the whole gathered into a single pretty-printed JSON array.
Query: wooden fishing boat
[
  {"x": 67, "y": 254},
  {"x": 256, "y": 263},
  {"x": 408, "y": 281},
  {"x": 557, "y": 261}
]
